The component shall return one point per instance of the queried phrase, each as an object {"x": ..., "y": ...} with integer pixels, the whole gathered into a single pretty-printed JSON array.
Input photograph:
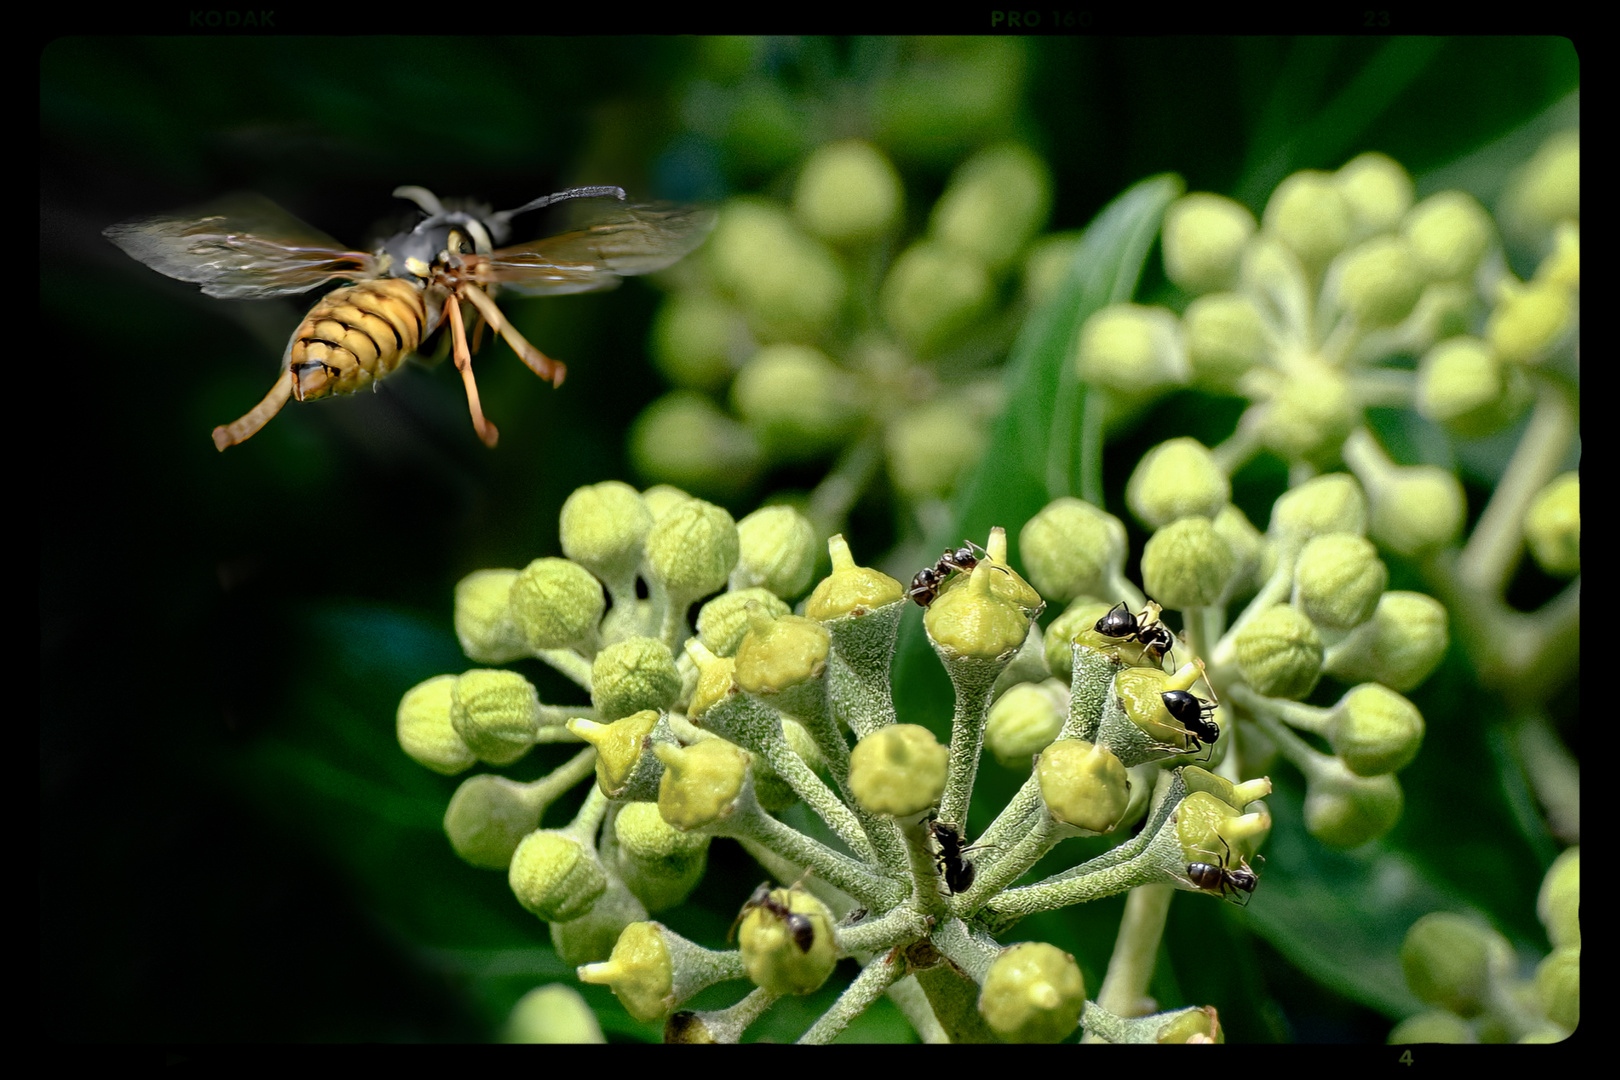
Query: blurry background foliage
[{"x": 234, "y": 846}]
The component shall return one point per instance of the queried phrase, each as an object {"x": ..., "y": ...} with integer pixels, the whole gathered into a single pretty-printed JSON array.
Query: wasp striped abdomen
[{"x": 356, "y": 335}]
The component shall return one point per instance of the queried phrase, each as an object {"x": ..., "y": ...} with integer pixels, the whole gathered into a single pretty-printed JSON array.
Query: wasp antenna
[
  {"x": 559, "y": 196},
  {"x": 486, "y": 430},
  {"x": 542, "y": 365},
  {"x": 245, "y": 428}
]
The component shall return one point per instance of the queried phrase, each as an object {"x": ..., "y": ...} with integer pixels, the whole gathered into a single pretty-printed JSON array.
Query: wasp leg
[
  {"x": 541, "y": 364},
  {"x": 245, "y": 428},
  {"x": 486, "y": 430}
]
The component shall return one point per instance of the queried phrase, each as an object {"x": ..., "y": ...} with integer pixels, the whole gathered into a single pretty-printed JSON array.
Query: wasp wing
[
  {"x": 241, "y": 247},
  {"x": 624, "y": 242}
]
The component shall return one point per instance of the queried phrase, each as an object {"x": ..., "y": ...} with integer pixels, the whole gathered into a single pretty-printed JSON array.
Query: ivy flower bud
[
  {"x": 1374, "y": 730},
  {"x": 484, "y": 617},
  {"x": 660, "y": 863},
  {"x": 1552, "y": 526},
  {"x": 899, "y": 769},
  {"x": 691, "y": 340},
  {"x": 848, "y": 192},
  {"x": 1346, "y": 810},
  {"x": 602, "y": 528},
  {"x": 1058, "y": 643},
  {"x": 995, "y": 202},
  {"x": 1188, "y": 564},
  {"x": 973, "y": 621},
  {"x": 789, "y": 284},
  {"x": 1203, "y": 241},
  {"x": 1332, "y": 503},
  {"x": 930, "y": 446},
  {"x": 1225, "y": 338},
  {"x": 772, "y": 945},
  {"x": 1339, "y": 579},
  {"x": 799, "y": 403},
  {"x": 1311, "y": 411},
  {"x": 555, "y": 876},
  {"x": 850, "y": 590},
  {"x": 1378, "y": 281},
  {"x": 1435, "y": 1026},
  {"x": 1311, "y": 216},
  {"x": 1025, "y": 720},
  {"x": 701, "y": 782},
  {"x": 1083, "y": 785},
  {"x": 631, "y": 675},
  {"x": 552, "y": 1014},
  {"x": 1377, "y": 190},
  {"x": 1177, "y": 479},
  {"x": 1133, "y": 350},
  {"x": 932, "y": 294},
  {"x": 1033, "y": 993},
  {"x": 496, "y": 713},
  {"x": 1416, "y": 509},
  {"x": 620, "y": 748},
  {"x": 716, "y": 680},
  {"x": 1071, "y": 548},
  {"x": 723, "y": 621},
  {"x": 557, "y": 604},
  {"x": 1548, "y": 189},
  {"x": 1558, "y": 904},
  {"x": 641, "y": 972},
  {"x": 488, "y": 817},
  {"x": 776, "y": 550},
  {"x": 1464, "y": 387},
  {"x": 424, "y": 729},
  {"x": 1449, "y": 961},
  {"x": 1529, "y": 320},
  {"x": 1448, "y": 233},
  {"x": 780, "y": 652},
  {"x": 1399, "y": 646},
  {"x": 684, "y": 438},
  {"x": 1279, "y": 653},
  {"x": 1245, "y": 541},
  {"x": 692, "y": 549},
  {"x": 1558, "y": 986}
]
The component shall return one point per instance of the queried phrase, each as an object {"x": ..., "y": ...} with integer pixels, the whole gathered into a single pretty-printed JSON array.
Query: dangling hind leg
[
  {"x": 458, "y": 330},
  {"x": 245, "y": 428}
]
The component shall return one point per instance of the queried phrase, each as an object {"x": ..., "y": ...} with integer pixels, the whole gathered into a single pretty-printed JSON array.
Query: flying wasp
[{"x": 245, "y": 247}]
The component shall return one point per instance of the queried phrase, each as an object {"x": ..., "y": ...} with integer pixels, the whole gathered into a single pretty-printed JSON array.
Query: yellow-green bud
[
  {"x": 1203, "y": 241},
  {"x": 1083, "y": 785},
  {"x": 716, "y": 680},
  {"x": 1033, "y": 993},
  {"x": 602, "y": 527},
  {"x": 640, "y": 973},
  {"x": 555, "y": 876},
  {"x": 1133, "y": 350},
  {"x": 1077, "y": 619},
  {"x": 1332, "y": 503},
  {"x": 659, "y": 862},
  {"x": 1139, "y": 690},
  {"x": 1025, "y": 720},
  {"x": 631, "y": 675},
  {"x": 1448, "y": 233},
  {"x": 1399, "y": 646},
  {"x": 1558, "y": 904},
  {"x": 933, "y": 294},
  {"x": 693, "y": 549},
  {"x": 662, "y": 498},
  {"x": 929, "y": 447},
  {"x": 1377, "y": 190},
  {"x": 899, "y": 770},
  {"x": 1528, "y": 321},
  {"x": 1562, "y": 266},
  {"x": 496, "y": 713},
  {"x": 1346, "y": 810},
  {"x": 723, "y": 621},
  {"x": 1374, "y": 730},
  {"x": 557, "y": 604},
  {"x": 850, "y": 589},
  {"x": 848, "y": 192},
  {"x": 777, "y": 549},
  {"x": 1378, "y": 281},
  {"x": 1548, "y": 189},
  {"x": 1177, "y": 479},
  {"x": 1280, "y": 653},
  {"x": 1552, "y": 526},
  {"x": 796, "y": 400},
  {"x": 790, "y": 284},
  {"x": 1311, "y": 216},
  {"x": 1243, "y": 538},
  {"x": 484, "y": 617},
  {"x": 1225, "y": 337},
  {"x": 684, "y": 438},
  {"x": 972, "y": 620},
  {"x": 1417, "y": 509},
  {"x": 1438, "y": 1026},
  {"x": 1192, "y": 1026},
  {"x": 1311, "y": 411},
  {"x": 1558, "y": 986},
  {"x": 619, "y": 746},
  {"x": 1187, "y": 564},
  {"x": 691, "y": 340},
  {"x": 1448, "y": 961},
  {"x": 1071, "y": 548},
  {"x": 1464, "y": 387},
  {"x": 995, "y": 202},
  {"x": 779, "y": 652},
  {"x": 552, "y": 1014},
  {"x": 771, "y": 944},
  {"x": 424, "y": 728},
  {"x": 1338, "y": 580},
  {"x": 488, "y": 817},
  {"x": 701, "y": 782}
]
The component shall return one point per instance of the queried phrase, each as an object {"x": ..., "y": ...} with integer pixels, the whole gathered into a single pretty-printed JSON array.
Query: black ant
[
  {"x": 1216, "y": 878},
  {"x": 1155, "y": 637},
  {"x": 958, "y": 871},
  {"x": 925, "y": 586},
  {"x": 799, "y": 925},
  {"x": 1193, "y": 713}
]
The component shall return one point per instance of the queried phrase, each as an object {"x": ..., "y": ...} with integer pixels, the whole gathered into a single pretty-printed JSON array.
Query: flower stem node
[
  {"x": 425, "y": 732},
  {"x": 488, "y": 817},
  {"x": 660, "y": 863},
  {"x": 1280, "y": 653},
  {"x": 620, "y": 750},
  {"x": 1346, "y": 810},
  {"x": 1451, "y": 960},
  {"x": 1465, "y": 387},
  {"x": 641, "y": 972},
  {"x": 632, "y": 675},
  {"x": 1072, "y": 549},
  {"x": 1203, "y": 241},
  {"x": 701, "y": 782},
  {"x": 972, "y": 620},
  {"x": 1332, "y": 503},
  {"x": 1338, "y": 580},
  {"x": 496, "y": 713},
  {"x": 780, "y": 652},
  {"x": 1448, "y": 233},
  {"x": 1177, "y": 479},
  {"x": 484, "y": 617},
  {"x": 777, "y": 550},
  {"x": 1033, "y": 993},
  {"x": 1188, "y": 564},
  {"x": 1377, "y": 190},
  {"x": 848, "y": 192},
  {"x": 555, "y": 876},
  {"x": 898, "y": 770},
  {"x": 1024, "y": 721},
  {"x": 1552, "y": 526},
  {"x": 1133, "y": 350},
  {"x": 773, "y": 945},
  {"x": 557, "y": 604},
  {"x": 1083, "y": 785},
  {"x": 552, "y": 1014},
  {"x": 1374, "y": 730},
  {"x": 602, "y": 528},
  {"x": 722, "y": 623}
]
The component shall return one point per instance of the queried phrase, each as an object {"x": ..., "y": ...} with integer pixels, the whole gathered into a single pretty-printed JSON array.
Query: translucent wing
[
  {"x": 241, "y": 247},
  {"x": 626, "y": 241}
]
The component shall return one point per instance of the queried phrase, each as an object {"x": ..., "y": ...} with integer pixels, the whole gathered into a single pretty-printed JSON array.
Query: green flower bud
[
  {"x": 1311, "y": 411},
  {"x": 620, "y": 747},
  {"x": 488, "y": 817},
  {"x": 1449, "y": 959},
  {"x": 1192, "y": 1026},
  {"x": 1528, "y": 321},
  {"x": 1071, "y": 548},
  {"x": 692, "y": 549},
  {"x": 1311, "y": 216},
  {"x": 1203, "y": 241},
  {"x": 1083, "y": 785},
  {"x": 1552, "y": 526},
  {"x": 1188, "y": 564},
  {"x": 777, "y": 549},
  {"x": 590, "y": 937},
  {"x": 1377, "y": 191},
  {"x": 484, "y": 617},
  {"x": 701, "y": 782},
  {"x": 1177, "y": 479},
  {"x": 716, "y": 681},
  {"x": 1562, "y": 266},
  {"x": 796, "y": 400},
  {"x": 1033, "y": 993},
  {"x": 691, "y": 340},
  {"x": 1558, "y": 986},
  {"x": 1558, "y": 904},
  {"x": 1438, "y": 1026},
  {"x": 972, "y": 621},
  {"x": 790, "y": 285},
  {"x": 1399, "y": 646},
  {"x": 1245, "y": 541},
  {"x": 660, "y": 864},
  {"x": 424, "y": 729},
  {"x": 641, "y": 972},
  {"x": 555, "y": 876},
  {"x": 1025, "y": 720},
  {"x": 557, "y": 604},
  {"x": 552, "y": 1014},
  {"x": 1279, "y": 653},
  {"x": 930, "y": 446},
  {"x": 850, "y": 590},
  {"x": 1374, "y": 730},
  {"x": 1346, "y": 810},
  {"x": 1379, "y": 280},
  {"x": 898, "y": 770},
  {"x": 1417, "y": 509},
  {"x": 602, "y": 528},
  {"x": 848, "y": 192},
  {"x": 685, "y": 439},
  {"x": 1448, "y": 233},
  {"x": 933, "y": 294},
  {"x": 723, "y": 621},
  {"x": 1464, "y": 387},
  {"x": 995, "y": 202},
  {"x": 1548, "y": 189},
  {"x": 496, "y": 713},
  {"x": 631, "y": 675},
  {"x": 1339, "y": 580},
  {"x": 1332, "y": 503},
  {"x": 1225, "y": 338},
  {"x": 1077, "y": 619},
  {"x": 780, "y": 652},
  {"x": 772, "y": 944},
  {"x": 662, "y": 498},
  {"x": 1133, "y": 350}
]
